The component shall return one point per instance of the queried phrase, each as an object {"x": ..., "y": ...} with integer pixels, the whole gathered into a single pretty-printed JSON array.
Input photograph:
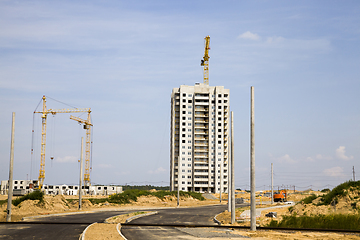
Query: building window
[
  {"x": 189, "y": 159},
  {"x": 189, "y": 118},
  {"x": 219, "y": 159},
  {"x": 189, "y": 165},
  {"x": 189, "y": 153},
  {"x": 183, "y": 129},
  {"x": 183, "y": 141},
  {"x": 189, "y": 106},
  {"x": 184, "y": 106},
  {"x": 183, "y": 146},
  {"x": 184, "y": 94},
  {"x": 189, "y": 147},
  {"x": 183, "y": 170},
  {"x": 189, "y": 124},
  {"x": 219, "y": 153},
  {"x": 183, "y": 135},
  {"x": 189, "y": 101},
  {"x": 189, "y": 130},
  {"x": 190, "y": 95},
  {"x": 219, "y": 130},
  {"x": 183, "y": 153},
  {"x": 219, "y": 101},
  {"x": 183, "y": 123},
  {"x": 219, "y": 95},
  {"x": 184, "y": 112},
  {"x": 219, "y": 124},
  {"x": 189, "y": 171},
  {"x": 184, "y": 100},
  {"x": 183, "y": 176},
  {"x": 189, "y": 176},
  {"x": 183, "y": 165},
  {"x": 189, "y": 182},
  {"x": 183, "y": 159},
  {"x": 189, "y": 135},
  {"x": 189, "y": 112},
  {"x": 219, "y": 147},
  {"x": 189, "y": 141},
  {"x": 219, "y": 107}
]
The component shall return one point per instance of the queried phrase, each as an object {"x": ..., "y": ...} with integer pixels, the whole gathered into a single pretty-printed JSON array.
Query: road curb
[
  {"x": 118, "y": 228},
  {"x": 82, "y": 235},
  {"x": 215, "y": 219},
  {"x": 140, "y": 215}
]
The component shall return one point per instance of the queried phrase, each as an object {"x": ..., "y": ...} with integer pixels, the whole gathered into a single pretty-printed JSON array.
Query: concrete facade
[
  {"x": 199, "y": 142},
  {"x": 60, "y": 189}
]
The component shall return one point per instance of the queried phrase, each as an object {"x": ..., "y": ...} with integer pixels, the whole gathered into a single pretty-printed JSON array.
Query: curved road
[{"x": 71, "y": 226}]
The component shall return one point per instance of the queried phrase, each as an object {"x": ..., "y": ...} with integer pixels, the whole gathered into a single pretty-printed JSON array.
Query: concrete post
[
  {"x": 272, "y": 184},
  {"x": 11, "y": 167},
  {"x": 252, "y": 166},
  {"x": 178, "y": 194},
  {"x": 81, "y": 169},
  {"x": 232, "y": 171}
]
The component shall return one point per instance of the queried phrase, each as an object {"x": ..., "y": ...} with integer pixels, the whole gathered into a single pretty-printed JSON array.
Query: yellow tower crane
[
  {"x": 205, "y": 60},
  {"x": 87, "y": 127},
  {"x": 44, "y": 113}
]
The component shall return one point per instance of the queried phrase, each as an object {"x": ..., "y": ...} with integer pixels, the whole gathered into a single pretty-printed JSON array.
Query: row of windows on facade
[
  {"x": 189, "y": 159},
  {"x": 189, "y": 147},
  {"x": 204, "y": 95},
  {"x": 189, "y": 124}
]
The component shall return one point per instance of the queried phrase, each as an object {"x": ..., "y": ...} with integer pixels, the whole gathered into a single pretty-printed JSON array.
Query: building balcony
[
  {"x": 201, "y": 174},
  {"x": 201, "y": 108},
  {"x": 201, "y": 150}
]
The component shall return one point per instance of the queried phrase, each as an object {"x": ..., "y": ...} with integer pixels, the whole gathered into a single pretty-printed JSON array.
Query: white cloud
[
  {"x": 66, "y": 159},
  {"x": 102, "y": 165},
  {"x": 249, "y": 35},
  {"x": 159, "y": 170},
  {"x": 340, "y": 153},
  {"x": 334, "y": 172},
  {"x": 284, "y": 159}
]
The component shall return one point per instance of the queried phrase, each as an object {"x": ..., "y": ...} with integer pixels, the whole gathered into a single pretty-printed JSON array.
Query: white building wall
[{"x": 199, "y": 138}]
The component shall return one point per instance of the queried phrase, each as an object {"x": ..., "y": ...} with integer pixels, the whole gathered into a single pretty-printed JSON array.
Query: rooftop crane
[
  {"x": 205, "y": 60},
  {"x": 87, "y": 127},
  {"x": 44, "y": 113}
]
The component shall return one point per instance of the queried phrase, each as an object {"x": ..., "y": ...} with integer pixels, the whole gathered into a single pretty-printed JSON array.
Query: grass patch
[
  {"x": 334, "y": 221},
  {"x": 3, "y": 202},
  {"x": 338, "y": 191},
  {"x": 132, "y": 195},
  {"x": 36, "y": 195},
  {"x": 309, "y": 199}
]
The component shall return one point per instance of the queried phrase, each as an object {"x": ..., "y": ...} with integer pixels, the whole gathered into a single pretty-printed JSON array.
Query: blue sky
[{"x": 122, "y": 59}]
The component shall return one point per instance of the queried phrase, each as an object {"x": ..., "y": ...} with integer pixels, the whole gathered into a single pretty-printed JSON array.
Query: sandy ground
[{"x": 58, "y": 204}]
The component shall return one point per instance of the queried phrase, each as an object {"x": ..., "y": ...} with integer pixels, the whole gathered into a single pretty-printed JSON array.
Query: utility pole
[
  {"x": 81, "y": 168},
  {"x": 178, "y": 195},
  {"x": 11, "y": 167},
  {"x": 272, "y": 183},
  {"x": 252, "y": 166},
  {"x": 229, "y": 176},
  {"x": 232, "y": 171},
  {"x": 354, "y": 173}
]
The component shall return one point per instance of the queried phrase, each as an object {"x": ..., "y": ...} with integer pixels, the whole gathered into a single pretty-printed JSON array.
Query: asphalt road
[
  {"x": 189, "y": 216},
  {"x": 71, "y": 226},
  {"x": 55, "y": 227}
]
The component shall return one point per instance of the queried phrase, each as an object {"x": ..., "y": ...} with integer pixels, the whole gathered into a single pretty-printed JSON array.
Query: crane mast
[
  {"x": 87, "y": 127},
  {"x": 44, "y": 113},
  {"x": 205, "y": 60}
]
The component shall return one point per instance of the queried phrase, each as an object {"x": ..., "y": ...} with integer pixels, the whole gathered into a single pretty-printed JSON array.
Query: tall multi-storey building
[{"x": 199, "y": 151}]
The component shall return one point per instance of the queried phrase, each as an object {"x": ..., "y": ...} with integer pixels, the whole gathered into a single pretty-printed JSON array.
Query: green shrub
[
  {"x": 36, "y": 195},
  {"x": 325, "y": 190},
  {"x": 335, "y": 221},
  {"x": 338, "y": 191},
  {"x": 309, "y": 199}
]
